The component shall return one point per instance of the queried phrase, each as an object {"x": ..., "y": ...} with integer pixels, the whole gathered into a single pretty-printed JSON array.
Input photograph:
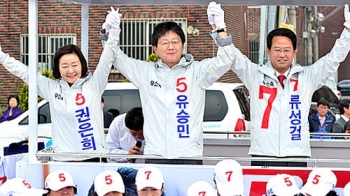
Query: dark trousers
[
  {"x": 97, "y": 160},
  {"x": 174, "y": 161},
  {"x": 278, "y": 163}
]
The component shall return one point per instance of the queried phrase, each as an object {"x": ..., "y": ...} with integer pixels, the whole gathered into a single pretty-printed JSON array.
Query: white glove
[
  {"x": 210, "y": 12},
  {"x": 347, "y": 16},
  {"x": 218, "y": 15},
  {"x": 112, "y": 20}
]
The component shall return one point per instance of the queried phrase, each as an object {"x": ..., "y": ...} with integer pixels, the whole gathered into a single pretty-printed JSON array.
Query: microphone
[
  {"x": 16, "y": 145},
  {"x": 138, "y": 144}
]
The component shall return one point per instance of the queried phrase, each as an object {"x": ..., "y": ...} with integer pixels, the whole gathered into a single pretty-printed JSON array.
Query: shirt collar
[
  {"x": 285, "y": 73},
  {"x": 346, "y": 119}
]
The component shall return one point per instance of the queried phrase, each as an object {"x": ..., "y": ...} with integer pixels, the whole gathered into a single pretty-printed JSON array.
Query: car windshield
[{"x": 344, "y": 82}]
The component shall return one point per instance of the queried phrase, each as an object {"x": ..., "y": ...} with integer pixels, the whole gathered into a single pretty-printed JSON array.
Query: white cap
[
  {"x": 319, "y": 182},
  {"x": 282, "y": 184},
  {"x": 108, "y": 181},
  {"x": 228, "y": 175},
  {"x": 149, "y": 177},
  {"x": 59, "y": 179},
  {"x": 19, "y": 187},
  {"x": 200, "y": 188},
  {"x": 346, "y": 190}
]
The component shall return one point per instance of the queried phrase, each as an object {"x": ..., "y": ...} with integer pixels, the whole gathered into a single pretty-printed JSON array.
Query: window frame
[{"x": 47, "y": 47}]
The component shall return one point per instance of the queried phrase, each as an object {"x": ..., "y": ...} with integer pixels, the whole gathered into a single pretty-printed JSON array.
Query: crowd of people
[
  {"x": 228, "y": 180},
  {"x": 172, "y": 90},
  {"x": 323, "y": 122}
]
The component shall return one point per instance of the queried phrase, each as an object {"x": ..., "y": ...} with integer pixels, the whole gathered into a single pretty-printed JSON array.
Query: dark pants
[
  {"x": 174, "y": 161},
  {"x": 278, "y": 163},
  {"x": 97, "y": 160}
]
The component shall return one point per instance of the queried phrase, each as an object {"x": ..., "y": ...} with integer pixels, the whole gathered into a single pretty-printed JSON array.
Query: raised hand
[
  {"x": 210, "y": 12},
  {"x": 346, "y": 16},
  {"x": 216, "y": 15},
  {"x": 112, "y": 20}
]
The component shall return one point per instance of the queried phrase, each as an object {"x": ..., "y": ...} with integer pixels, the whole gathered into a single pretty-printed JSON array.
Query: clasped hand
[{"x": 112, "y": 20}]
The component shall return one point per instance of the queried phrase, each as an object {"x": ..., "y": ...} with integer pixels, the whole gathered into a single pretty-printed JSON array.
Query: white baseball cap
[
  {"x": 200, "y": 188},
  {"x": 228, "y": 175},
  {"x": 19, "y": 187},
  {"x": 108, "y": 181},
  {"x": 346, "y": 190},
  {"x": 149, "y": 177},
  {"x": 282, "y": 184},
  {"x": 59, "y": 179},
  {"x": 319, "y": 182}
]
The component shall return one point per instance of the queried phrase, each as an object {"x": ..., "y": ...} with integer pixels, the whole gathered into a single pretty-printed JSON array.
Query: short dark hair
[
  {"x": 68, "y": 49},
  {"x": 332, "y": 193},
  {"x": 134, "y": 119},
  {"x": 114, "y": 111},
  {"x": 281, "y": 32},
  {"x": 323, "y": 101},
  {"x": 343, "y": 103},
  {"x": 164, "y": 27},
  {"x": 12, "y": 96}
]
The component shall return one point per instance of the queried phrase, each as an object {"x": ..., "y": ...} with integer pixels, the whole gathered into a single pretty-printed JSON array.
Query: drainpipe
[{"x": 263, "y": 20}]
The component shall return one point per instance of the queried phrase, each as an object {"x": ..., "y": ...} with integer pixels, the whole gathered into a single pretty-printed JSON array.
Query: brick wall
[{"x": 334, "y": 19}]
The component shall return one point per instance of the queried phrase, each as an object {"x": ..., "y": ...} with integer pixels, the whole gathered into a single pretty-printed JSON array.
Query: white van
[
  {"x": 226, "y": 106},
  {"x": 226, "y": 109}
]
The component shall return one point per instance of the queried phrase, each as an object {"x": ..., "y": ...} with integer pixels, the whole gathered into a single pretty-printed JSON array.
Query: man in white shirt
[{"x": 124, "y": 133}]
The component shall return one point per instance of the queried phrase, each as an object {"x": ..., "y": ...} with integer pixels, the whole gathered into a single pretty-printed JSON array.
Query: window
[
  {"x": 47, "y": 46},
  {"x": 215, "y": 106},
  {"x": 135, "y": 37},
  {"x": 122, "y": 100},
  {"x": 44, "y": 115},
  {"x": 254, "y": 51}
]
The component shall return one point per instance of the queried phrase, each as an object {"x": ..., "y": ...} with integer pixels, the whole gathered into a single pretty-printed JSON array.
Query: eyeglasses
[
  {"x": 166, "y": 43},
  {"x": 279, "y": 51}
]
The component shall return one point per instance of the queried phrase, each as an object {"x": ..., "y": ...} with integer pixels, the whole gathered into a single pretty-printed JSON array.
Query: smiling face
[
  {"x": 281, "y": 53},
  {"x": 70, "y": 68},
  {"x": 13, "y": 102},
  {"x": 169, "y": 48}
]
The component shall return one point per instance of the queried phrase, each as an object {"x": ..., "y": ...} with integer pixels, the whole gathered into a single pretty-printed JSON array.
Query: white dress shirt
[{"x": 119, "y": 140}]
